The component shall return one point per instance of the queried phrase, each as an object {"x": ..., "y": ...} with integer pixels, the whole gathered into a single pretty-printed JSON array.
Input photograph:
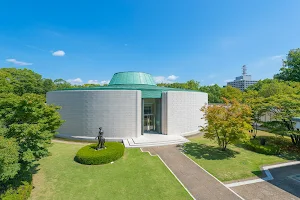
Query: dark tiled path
[{"x": 199, "y": 183}]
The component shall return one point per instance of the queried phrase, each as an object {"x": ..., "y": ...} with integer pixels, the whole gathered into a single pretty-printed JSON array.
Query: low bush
[
  {"x": 21, "y": 193},
  {"x": 88, "y": 155},
  {"x": 268, "y": 148}
]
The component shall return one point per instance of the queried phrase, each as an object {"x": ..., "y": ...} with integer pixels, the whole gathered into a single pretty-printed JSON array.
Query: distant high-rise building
[{"x": 242, "y": 82}]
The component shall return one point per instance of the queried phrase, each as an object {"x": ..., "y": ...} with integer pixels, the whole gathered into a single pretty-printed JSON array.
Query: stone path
[{"x": 198, "y": 182}]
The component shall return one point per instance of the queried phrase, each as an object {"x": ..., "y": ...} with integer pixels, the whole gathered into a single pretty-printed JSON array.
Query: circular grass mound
[{"x": 88, "y": 155}]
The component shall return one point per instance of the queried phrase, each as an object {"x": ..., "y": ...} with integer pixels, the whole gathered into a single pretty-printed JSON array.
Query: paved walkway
[
  {"x": 198, "y": 182},
  {"x": 264, "y": 191}
]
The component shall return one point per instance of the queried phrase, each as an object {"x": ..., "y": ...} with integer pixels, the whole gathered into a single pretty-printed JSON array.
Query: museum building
[{"x": 130, "y": 106}]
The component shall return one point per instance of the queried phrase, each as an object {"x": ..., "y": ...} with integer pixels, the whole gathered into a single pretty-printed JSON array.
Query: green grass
[
  {"x": 233, "y": 164},
  {"x": 136, "y": 175}
]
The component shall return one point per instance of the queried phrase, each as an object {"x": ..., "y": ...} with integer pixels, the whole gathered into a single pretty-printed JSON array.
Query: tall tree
[
  {"x": 227, "y": 123},
  {"x": 229, "y": 92},
  {"x": 291, "y": 68},
  {"x": 214, "y": 93},
  {"x": 9, "y": 159},
  {"x": 48, "y": 85},
  {"x": 62, "y": 84},
  {"x": 22, "y": 81},
  {"x": 284, "y": 108},
  {"x": 31, "y": 122}
]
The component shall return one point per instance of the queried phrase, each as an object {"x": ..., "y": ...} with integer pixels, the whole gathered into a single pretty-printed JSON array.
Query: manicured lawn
[
  {"x": 236, "y": 163},
  {"x": 136, "y": 175}
]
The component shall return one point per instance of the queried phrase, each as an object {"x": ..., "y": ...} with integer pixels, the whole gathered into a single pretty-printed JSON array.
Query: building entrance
[{"x": 151, "y": 116}]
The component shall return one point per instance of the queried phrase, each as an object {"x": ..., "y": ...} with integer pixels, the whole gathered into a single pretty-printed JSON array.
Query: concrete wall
[
  {"x": 118, "y": 112},
  {"x": 181, "y": 112}
]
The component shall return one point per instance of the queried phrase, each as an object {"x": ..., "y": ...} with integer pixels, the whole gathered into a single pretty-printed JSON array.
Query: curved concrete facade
[
  {"x": 84, "y": 111},
  {"x": 131, "y": 105},
  {"x": 181, "y": 112}
]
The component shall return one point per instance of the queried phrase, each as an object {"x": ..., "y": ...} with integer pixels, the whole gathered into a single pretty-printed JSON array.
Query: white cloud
[
  {"x": 16, "y": 62},
  {"x": 172, "y": 77},
  {"x": 277, "y": 57},
  {"x": 76, "y": 81},
  {"x": 163, "y": 79},
  {"x": 104, "y": 82},
  {"x": 97, "y": 82},
  {"x": 93, "y": 82},
  {"x": 58, "y": 53}
]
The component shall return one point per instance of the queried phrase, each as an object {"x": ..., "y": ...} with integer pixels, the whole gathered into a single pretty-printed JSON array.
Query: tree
[
  {"x": 22, "y": 81},
  {"x": 189, "y": 85},
  {"x": 48, "y": 85},
  {"x": 275, "y": 88},
  {"x": 192, "y": 85},
  {"x": 31, "y": 122},
  {"x": 284, "y": 108},
  {"x": 5, "y": 82},
  {"x": 252, "y": 98},
  {"x": 227, "y": 123},
  {"x": 9, "y": 157},
  {"x": 91, "y": 85},
  {"x": 291, "y": 68},
  {"x": 214, "y": 93},
  {"x": 229, "y": 92},
  {"x": 62, "y": 84}
]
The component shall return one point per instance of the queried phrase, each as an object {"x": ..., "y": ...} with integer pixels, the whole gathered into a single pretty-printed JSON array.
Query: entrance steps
[{"x": 152, "y": 140}]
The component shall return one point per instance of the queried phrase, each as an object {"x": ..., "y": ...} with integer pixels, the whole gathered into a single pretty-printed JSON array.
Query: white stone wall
[
  {"x": 118, "y": 112},
  {"x": 181, "y": 112}
]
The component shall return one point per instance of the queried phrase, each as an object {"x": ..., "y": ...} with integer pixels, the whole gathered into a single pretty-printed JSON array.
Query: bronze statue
[{"x": 101, "y": 140}]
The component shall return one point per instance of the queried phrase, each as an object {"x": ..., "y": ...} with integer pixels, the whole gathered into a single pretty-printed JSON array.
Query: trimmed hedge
[{"x": 88, "y": 155}]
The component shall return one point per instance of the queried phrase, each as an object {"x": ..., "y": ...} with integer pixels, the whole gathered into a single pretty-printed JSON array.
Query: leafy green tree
[
  {"x": 227, "y": 123},
  {"x": 5, "y": 82},
  {"x": 9, "y": 159},
  {"x": 91, "y": 85},
  {"x": 192, "y": 85},
  {"x": 22, "y": 81},
  {"x": 275, "y": 88},
  {"x": 291, "y": 69},
  {"x": 252, "y": 98},
  {"x": 231, "y": 93},
  {"x": 257, "y": 86},
  {"x": 48, "y": 85},
  {"x": 31, "y": 122},
  {"x": 284, "y": 108},
  {"x": 214, "y": 93},
  {"x": 62, "y": 84}
]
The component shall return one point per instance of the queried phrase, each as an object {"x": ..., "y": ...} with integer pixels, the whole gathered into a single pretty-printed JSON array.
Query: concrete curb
[
  {"x": 267, "y": 172},
  {"x": 170, "y": 171}
]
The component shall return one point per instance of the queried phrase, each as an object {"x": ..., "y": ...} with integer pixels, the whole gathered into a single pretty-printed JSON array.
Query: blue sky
[{"x": 174, "y": 40}]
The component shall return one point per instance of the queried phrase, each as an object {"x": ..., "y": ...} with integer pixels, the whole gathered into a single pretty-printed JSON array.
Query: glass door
[{"x": 149, "y": 118}]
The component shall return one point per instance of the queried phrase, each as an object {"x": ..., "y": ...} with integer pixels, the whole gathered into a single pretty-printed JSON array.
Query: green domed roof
[{"x": 132, "y": 78}]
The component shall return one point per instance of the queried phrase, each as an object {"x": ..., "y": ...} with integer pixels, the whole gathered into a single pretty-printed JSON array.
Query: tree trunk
[{"x": 295, "y": 139}]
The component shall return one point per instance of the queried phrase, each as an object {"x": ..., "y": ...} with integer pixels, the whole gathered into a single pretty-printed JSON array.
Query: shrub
[
  {"x": 268, "y": 149},
  {"x": 88, "y": 155},
  {"x": 21, "y": 193}
]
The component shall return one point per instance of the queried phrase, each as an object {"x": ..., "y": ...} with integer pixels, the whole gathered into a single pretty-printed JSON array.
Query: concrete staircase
[{"x": 152, "y": 140}]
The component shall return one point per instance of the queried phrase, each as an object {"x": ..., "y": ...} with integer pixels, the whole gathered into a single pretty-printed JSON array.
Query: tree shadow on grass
[{"x": 202, "y": 151}]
